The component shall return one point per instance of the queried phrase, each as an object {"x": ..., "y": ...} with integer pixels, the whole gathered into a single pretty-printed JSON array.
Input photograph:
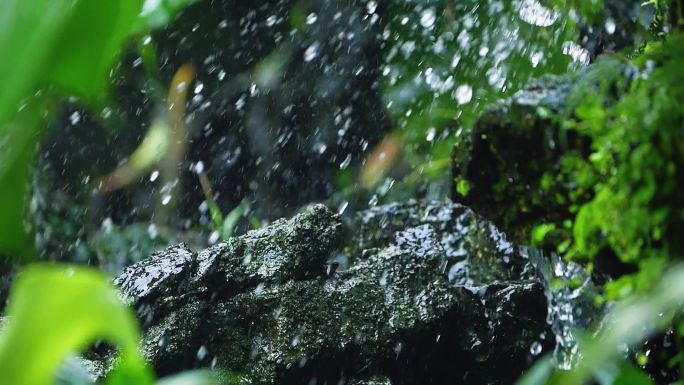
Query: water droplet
[
  {"x": 199, "y": 87},
  {"x": 431, "y": 134},
  {"x": 152, "y": 231},
  {"x": 154, "y": 175},
  {"x": 455, "y": 60},
  {"x": 106, "y": 113},
  {"x": 214, "y": 237},
  {"x": 371, "y": 6},
  {"x": 532, "y": 12},
  {"x": 311, "y": 52},
  {"x": 182, "y": 86},
  {"x": 427, "y": 18},
  {"x": 610, "y": 26},
  {"x": 464, "y": 93},
  {"x": 311, "y": 18},
  {"x": 199, "y": 167},
  {"x": 166, "y": 199},
  {"x": 107, "y": 225},
  {"x": 202, "y": 352},
  {"x": 342, "y": 207},
  {"x": 535, "y": 348},
  {"x": 345, "y": 163},
  {"x": 373, "y": 201},
  {"x": 535, "y": 58},
  {"x": 75, "y": 117}
]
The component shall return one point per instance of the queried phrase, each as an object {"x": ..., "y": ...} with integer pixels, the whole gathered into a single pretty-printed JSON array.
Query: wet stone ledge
[{"x": 411, "y": 293}]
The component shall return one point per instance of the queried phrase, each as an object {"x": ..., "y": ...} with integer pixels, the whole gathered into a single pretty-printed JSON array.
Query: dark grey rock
[
  {"x": 416, "y": 293},
  {"x": 514, "y": 160}
]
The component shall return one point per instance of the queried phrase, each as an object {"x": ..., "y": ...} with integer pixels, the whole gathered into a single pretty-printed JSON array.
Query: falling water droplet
[
  {"x": 75, "y": 117},
  {"x": 166, "y": 199},
  {"x": 202, "y": 352},
  {"x": 610, "y": 26},
  {"x": 427, "y": 18},
  {"x": 152, "y": 231},
  {"x": 431, "y": 134},
  {"x": 214, "y": 237},
  {"x": 535, "y": 348},
  {"x": 345, "y": 163},
  {"x": 342, "y": 207},
  {"x": 311, "y": 52},
  {"x": 371, "y": 6},
  {"x": 464, "y": 93}
]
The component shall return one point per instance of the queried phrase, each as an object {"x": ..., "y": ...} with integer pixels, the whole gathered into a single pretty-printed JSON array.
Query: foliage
[
  {"x": 54, "y": 48},
  {"x": 632, "y": 118},
  {"x": 446, "y": 61},
  {"x": 631, "y": 321},
  {"x": 634, "y": 166},
  {"x": 439, "y": 71},
  {"x": 55, "y": 311}
]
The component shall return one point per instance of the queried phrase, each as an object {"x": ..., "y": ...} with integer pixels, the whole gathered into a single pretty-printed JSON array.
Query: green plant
[
  {"x": 53, "y": 49},
  {"x": 636, "y": 161},
  {"x": 57, "y": 310},
  {"x": 630, "y": 322}
]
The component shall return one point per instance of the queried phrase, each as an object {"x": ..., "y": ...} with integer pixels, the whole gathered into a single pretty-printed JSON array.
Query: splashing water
[{"x": 569, "y": 291}]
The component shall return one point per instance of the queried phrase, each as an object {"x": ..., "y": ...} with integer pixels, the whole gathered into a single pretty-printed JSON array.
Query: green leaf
[
  {"x": 55, "y": 311},
  {"x": 89, "y": 44},
  {"x": 627, "y": 324},
  {"x": 15, "y": 156},
  {"x": 157, "y": 13},
  {"x": 462, "y": 187},
  {"x": 67, "y": 47},
  {"x": 231, "y": 221},
  {"x": 629, "y": 375},
  {"x": 71, "y": 44},
  {"x": 539, "y": 374},
  {"x": 540, "y": 232}
]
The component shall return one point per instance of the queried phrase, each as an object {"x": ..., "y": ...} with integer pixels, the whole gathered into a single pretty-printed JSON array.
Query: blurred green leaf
[
  {"x": 627, "y": 324},
  {"x": 539, "y": 233},
  {"x": 462, "y": 187},
  {"x": 89, "y": 43},
  {"x": 66, "y": 47},
  {"x": 231, "y": 221},
  {"x": 157, "y": 13},
  {"x": 55, "y": 311},
  {"x": 63, "y": 43},
  {"x": 539, "y": 374}
]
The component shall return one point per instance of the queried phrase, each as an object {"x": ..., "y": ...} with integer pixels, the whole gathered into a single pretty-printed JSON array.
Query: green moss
[{"x": 634, "y": 121}]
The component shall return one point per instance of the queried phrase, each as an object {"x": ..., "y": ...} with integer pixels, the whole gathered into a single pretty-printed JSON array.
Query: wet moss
[{"x": 266, "y": 304}]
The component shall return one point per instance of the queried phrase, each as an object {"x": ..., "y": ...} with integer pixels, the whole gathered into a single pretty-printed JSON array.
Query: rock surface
[
  {"x": 416, "y": 293},
  {"x": 513, "y": 155}
]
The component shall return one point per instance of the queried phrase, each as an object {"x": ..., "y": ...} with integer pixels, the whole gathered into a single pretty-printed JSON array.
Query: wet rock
[
  {"x": 512, "y": 156},
  {"x": 516, "y": 167},
  {"x": 415, "y": 293}
]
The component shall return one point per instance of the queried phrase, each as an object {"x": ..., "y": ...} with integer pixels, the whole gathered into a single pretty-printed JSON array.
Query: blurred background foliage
[{"x": 126, "y": 126}]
